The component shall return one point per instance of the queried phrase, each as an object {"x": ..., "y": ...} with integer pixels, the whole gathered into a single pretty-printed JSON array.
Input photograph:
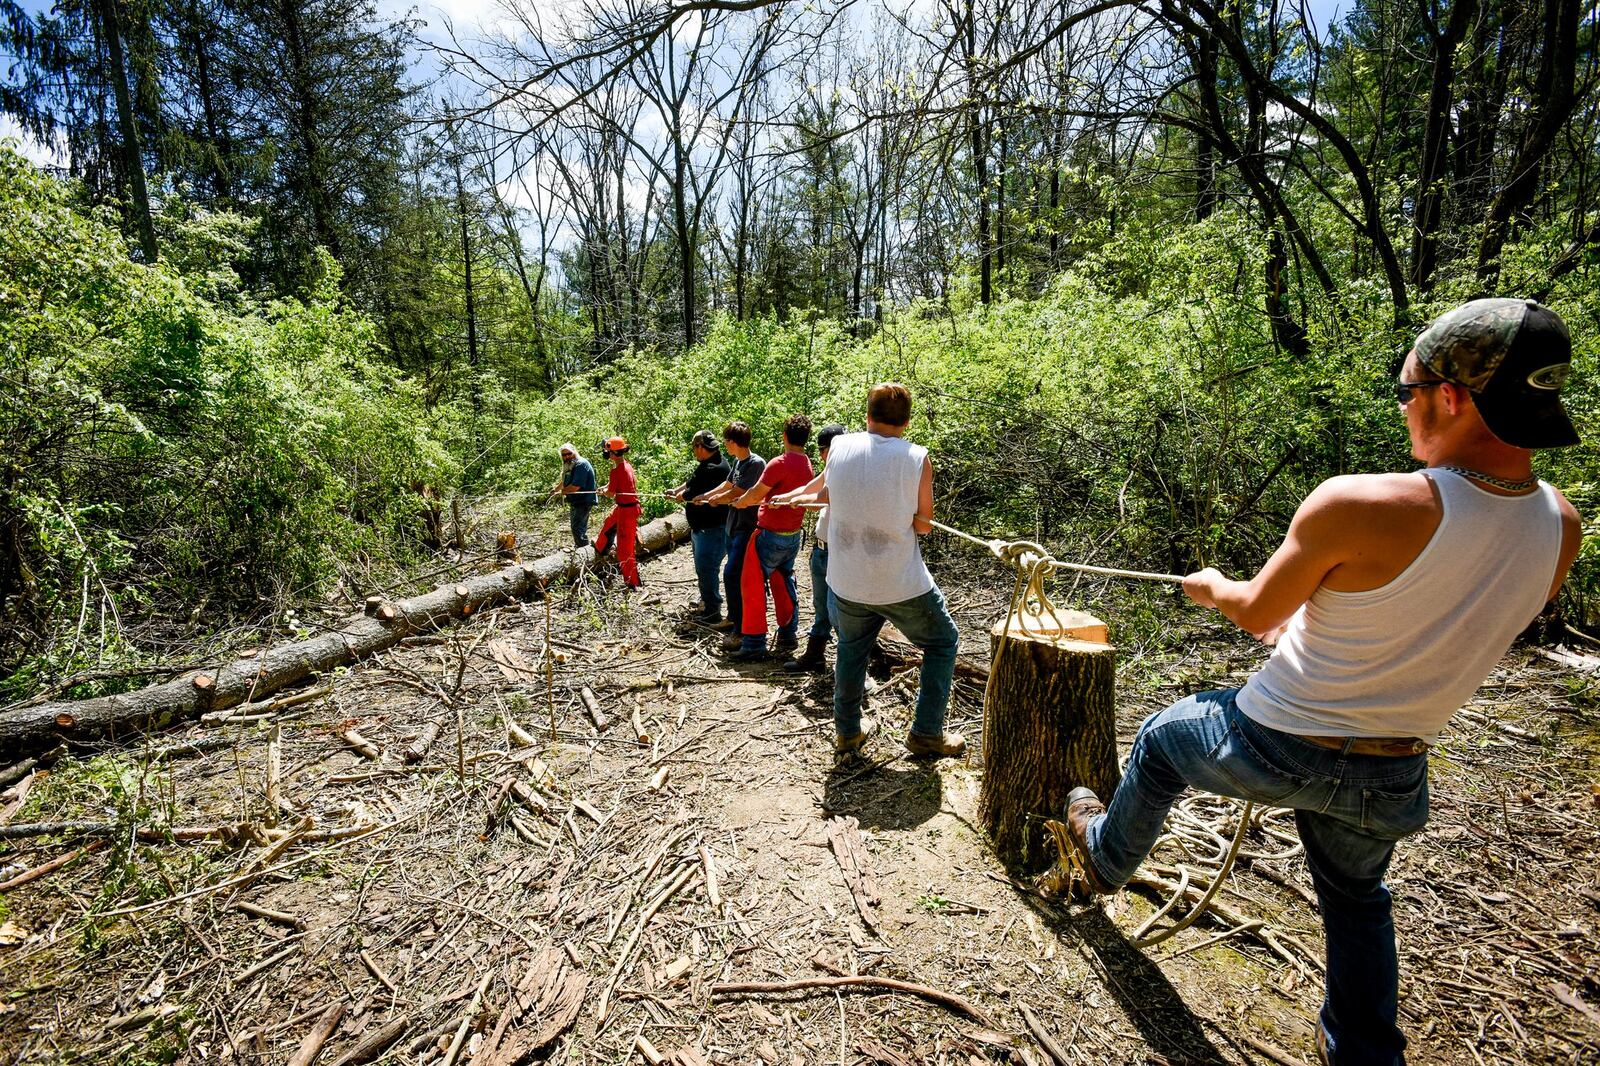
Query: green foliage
[
  {"x": 1137, "y": 413},
  {"x": 168, "y": 441}
]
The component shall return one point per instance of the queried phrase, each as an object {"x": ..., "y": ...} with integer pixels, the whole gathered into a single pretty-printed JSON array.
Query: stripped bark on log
[
  {"x": 851, "y": 853},
  {"x": 28, "y": 729}
]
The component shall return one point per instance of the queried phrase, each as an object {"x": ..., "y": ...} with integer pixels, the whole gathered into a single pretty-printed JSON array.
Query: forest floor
[{"x": 577, "y": 900}]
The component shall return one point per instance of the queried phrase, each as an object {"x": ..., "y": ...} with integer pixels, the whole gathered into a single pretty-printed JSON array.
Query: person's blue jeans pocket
[{"x": 710, "y": 547}]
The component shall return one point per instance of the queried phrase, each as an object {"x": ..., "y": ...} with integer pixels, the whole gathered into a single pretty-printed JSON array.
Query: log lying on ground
[
  {"x": 1049, "y": 726},
  {"x": 28, "y": 729}
]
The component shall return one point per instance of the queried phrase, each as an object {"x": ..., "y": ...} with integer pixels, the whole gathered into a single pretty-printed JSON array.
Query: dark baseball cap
[
  {"x": 704, "y": 438},
  {"x": 826, "y": 434},
  {"x": 1513, "y": 356}
]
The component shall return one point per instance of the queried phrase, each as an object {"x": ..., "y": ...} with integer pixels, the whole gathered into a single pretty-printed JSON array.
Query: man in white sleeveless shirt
[
  {"x": 1390, "y": 600},
  {"x": 879, "y": 490}
]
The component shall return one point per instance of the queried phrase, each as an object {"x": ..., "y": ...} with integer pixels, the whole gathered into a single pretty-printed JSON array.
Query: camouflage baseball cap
[{"x": 1513, "y": 356}]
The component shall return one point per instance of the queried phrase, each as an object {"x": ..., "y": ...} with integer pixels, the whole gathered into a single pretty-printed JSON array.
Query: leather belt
[
  {"x": 627, "y": 505},
  {"x": 1371, "y": 745}
]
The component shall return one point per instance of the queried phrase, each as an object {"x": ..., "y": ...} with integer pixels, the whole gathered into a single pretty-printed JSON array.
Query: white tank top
[
  {"x": 1401, "y": 659},
  {"x": 873, "y": 481}
]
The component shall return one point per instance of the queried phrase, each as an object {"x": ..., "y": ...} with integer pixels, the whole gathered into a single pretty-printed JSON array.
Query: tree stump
[{"x": 1048, "y": 727}]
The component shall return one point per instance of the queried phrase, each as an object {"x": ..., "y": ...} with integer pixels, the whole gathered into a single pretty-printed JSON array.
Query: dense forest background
[{"x": 278, "y": 277}]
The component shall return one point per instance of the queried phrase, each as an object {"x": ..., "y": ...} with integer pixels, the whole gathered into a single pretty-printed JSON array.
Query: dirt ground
[{"x": 509, "y": 898}]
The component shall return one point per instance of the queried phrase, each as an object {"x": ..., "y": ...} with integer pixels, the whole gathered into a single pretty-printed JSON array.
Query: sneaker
[
  {"x": 850, "y": 745},
  {"x": 945, "y": 744}
]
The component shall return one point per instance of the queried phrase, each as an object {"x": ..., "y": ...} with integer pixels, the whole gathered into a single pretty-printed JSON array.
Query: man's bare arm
[
  {"x": 753, "y": 496},
  {"x": 1571, "y": 541},
  {"x": 922, "y": 521},
  {"x": 1317, "y": 541},
  {"x": 721, "y": 494},
  {"x": 807, "y": 493}
]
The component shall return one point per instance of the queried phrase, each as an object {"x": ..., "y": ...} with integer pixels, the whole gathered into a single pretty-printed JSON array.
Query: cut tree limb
[
  {"x": 374, "y": 1044},
  {"x": 591, "y": 706},
  {"x": 932, "y": 995},
  {"x": 29, "y": 729},
  {"x": 311, "y": 1046}
]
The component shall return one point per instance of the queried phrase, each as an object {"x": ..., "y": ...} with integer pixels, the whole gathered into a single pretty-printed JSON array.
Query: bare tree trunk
[
  {"x": 132, "y": 153},
  {"x": 1552, "y": 102},
  {"x": 30, "y": 729},
  {"x": 1435, "y": 146},
  {"x": 473, "y": 357}
]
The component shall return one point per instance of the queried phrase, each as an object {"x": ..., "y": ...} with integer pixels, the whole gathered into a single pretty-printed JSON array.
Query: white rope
[{"x": 1029, "y": 600}]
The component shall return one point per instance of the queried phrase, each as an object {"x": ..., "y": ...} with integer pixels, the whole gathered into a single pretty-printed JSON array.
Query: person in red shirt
[
  {"x": 623, "y": 521},
  {"x": 769, "y": 560}
]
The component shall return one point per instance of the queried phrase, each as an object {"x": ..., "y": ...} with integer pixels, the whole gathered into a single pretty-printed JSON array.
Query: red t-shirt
[
  {"x": 789, "y": 471},
  {"x": 623, "y": 483}
]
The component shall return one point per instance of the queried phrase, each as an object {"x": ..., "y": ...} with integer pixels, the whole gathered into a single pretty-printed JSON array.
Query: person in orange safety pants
[{"x": 622, "y": 524}]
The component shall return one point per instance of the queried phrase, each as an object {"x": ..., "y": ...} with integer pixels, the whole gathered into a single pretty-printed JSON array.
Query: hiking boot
[
  {"x": 1074, "y": 870},
  {"x": 785, "y": 642},
  {"x": 851, "y": 745},
  {"x": 722, "y": 624},
  {"x": 813, "y": 660},
  {"x": 945, "y": 744},
  {"x": 744, "y": 654},
  {"x": 730, "y": 641}
]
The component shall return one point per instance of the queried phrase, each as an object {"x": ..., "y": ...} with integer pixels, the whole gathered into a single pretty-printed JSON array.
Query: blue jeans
[
  {"x": 580, "y": 523},
  {"x": 1349, "y": 809},
  {"x": 738, "y": 541},
  {"x": 771, "y": 567},
  {"x": 821, "y": 628},
  {"x": 710, "y": 546},
  {"x": 926, "y": 623}
]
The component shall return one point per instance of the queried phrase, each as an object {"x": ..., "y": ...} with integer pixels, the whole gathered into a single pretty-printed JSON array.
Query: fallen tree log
[{"x": 29, "y": 729}]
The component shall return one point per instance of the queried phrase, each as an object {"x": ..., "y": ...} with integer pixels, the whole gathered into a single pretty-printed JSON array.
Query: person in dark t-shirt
[
  {"x": 745, "y": 468},
  {"x": 708, "y": 525}
]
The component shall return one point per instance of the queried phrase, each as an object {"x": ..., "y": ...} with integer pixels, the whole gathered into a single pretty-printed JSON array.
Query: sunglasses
[{"x": 1403, "y": 390}]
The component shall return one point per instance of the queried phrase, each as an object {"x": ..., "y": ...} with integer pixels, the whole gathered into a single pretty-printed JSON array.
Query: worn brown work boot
[
  {"x": 1074, "y": 872},
  {"x": 852, "y": 745},
  {"x": 945, "y": 744}
]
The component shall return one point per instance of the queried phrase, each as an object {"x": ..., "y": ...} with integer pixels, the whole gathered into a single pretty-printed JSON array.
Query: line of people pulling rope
[
  {"x": 745, "y": 517},
  {"x": 1389, "y": 601}
]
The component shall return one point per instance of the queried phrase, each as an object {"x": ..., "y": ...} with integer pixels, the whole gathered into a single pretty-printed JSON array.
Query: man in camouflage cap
[{"x": 1389, "y": 601}]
